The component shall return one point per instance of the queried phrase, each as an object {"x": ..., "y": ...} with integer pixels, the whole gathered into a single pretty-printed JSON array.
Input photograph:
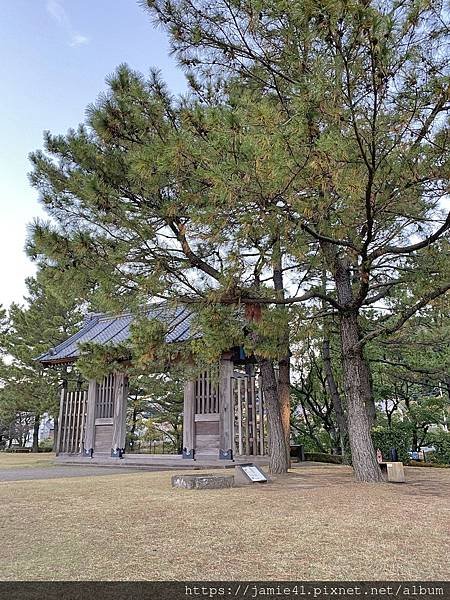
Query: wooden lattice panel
[
  {"x": 206, "y": 394},
  {"x": 104, "y": 406},
  {"x": 250, "y": 428},
  {"x": 72, "y": 418}
]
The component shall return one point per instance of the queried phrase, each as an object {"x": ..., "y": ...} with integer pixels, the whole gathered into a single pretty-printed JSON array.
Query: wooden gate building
[{"x": 223, "y": 415}]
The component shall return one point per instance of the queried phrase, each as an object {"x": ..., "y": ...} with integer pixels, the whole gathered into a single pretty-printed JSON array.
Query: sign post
[{"x": 248, "y": 474}]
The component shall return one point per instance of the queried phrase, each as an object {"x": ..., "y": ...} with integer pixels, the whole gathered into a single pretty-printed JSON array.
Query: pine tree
[
  {"x": 315, "y": 139},
  {"x": 133, "y": 222},
  {"x": 42, "y": 322},
  {"x": 358, "y": 134}
]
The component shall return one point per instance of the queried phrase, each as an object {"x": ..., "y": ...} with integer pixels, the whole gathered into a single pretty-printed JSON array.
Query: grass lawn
[
  {"x": 11, "y": 460},
  {"x": 315, "y": 523}
]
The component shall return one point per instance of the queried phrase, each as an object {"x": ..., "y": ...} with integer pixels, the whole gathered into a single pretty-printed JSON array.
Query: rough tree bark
[
  {"x": 357, "y": 388},
  {"x": 334, "y": 394},
  {"x": 278, "y": 453},
  {"x": 357, "y": 383},
  {"x": 284, "y": 400},
  {"x": 284, "y": 364},
  {"x": 279, "y": 449}
]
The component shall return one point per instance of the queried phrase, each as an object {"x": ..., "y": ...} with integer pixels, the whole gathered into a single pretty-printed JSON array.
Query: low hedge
[
  {"x": 323, "y": 457},
  {"x": 419, "y": 463}
]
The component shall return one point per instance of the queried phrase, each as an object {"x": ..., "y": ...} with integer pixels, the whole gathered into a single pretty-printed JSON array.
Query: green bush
[
  {"x": 46, "y": 445},
  {"x": 309, "y": 444},
  {"x": 322, "y": 457},
  {"x": 441, "y": 442},
  {"x": 398, "y": 436}
]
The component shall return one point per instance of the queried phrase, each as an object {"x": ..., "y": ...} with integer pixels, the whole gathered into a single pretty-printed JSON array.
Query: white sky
[{"x": 55, "y": 55}]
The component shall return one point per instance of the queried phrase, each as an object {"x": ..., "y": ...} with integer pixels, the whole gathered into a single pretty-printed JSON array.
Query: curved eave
[
  {"x": 108, "y": 330},
  {"x": 61, "y": 361}
]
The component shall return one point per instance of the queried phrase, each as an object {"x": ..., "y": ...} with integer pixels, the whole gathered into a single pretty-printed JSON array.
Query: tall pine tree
[
  {"x": 43, "y": 321},
  {"x": 360, "y": 103}
]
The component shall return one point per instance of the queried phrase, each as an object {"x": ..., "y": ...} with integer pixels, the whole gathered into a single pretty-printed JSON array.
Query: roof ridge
[{"x": 176, "y": 317}]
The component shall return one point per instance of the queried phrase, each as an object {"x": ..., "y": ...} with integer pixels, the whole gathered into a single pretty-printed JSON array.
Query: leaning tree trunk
[
  {"x": 331, "y": 385},
  {"x": 358, "y": 390},
  {"x": 335, "y": 396},
  {"x": 35, "y": 445},
  {"x": 284, "y": 364},
  {"x": 284, "y": 400},
  {"x": 357, "y": 385},
  {"x": 278, "y": 450}
]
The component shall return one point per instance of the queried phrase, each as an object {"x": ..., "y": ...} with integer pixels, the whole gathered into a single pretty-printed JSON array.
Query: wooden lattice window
[
  {"x": 207, "y": 393},
  {"x": 104, "y": 406}
]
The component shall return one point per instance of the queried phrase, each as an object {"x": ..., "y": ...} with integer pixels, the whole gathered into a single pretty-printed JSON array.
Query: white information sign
[{"x": 254, "y": 473}]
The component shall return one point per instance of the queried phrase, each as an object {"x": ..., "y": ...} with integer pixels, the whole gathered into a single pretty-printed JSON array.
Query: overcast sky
[{"x": 55, "y": 55}]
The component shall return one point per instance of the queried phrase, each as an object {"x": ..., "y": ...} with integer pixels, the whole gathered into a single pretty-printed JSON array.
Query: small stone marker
[
  {"x": 248, "y": 474},
  {"x": 393, "y": 472},
  {"x": 202, "y": 482}
]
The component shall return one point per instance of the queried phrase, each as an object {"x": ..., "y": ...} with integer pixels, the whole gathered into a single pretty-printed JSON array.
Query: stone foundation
[{"x": 202, "y": 482}]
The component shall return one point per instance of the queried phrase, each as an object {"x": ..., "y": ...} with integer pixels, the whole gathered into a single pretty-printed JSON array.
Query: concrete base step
[{"x": 153, "y": 462}]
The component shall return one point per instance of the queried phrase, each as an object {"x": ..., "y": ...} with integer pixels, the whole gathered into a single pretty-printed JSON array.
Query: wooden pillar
[
  {"x": 120, "y": 415},
  {"x": 189, "y": 419},
  {"x": 89, "y": 428},
  {"x": 226, "y": 424},
  {"x": 60, "y": 417}
]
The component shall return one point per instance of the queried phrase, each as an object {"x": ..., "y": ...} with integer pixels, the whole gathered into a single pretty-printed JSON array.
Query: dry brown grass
[
  {"x": 315, "y": 523},
  {"x": 10, "y": 460}
]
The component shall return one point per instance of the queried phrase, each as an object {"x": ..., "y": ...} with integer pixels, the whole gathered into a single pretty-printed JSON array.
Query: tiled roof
[{"x": 110, "y": 330}]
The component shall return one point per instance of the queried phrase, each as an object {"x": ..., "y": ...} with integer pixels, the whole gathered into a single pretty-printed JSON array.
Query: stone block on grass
[{"x": 202, "y": 482}]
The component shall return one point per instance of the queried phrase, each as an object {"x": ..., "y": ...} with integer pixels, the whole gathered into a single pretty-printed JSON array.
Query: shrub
[
  {"x": 311, "y": 445},
  {"x": 420, "y": 463},
  {"x": 46, "y": 445},
  {"x": 322, "y": 457},
  {"x": 398, "y": 436},
  {"x": 441, "y": 442}
]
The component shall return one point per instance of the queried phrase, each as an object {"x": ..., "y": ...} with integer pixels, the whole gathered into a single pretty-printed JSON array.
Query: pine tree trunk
[
  {"x": 35, "y": 445},
  {"x": 357, "y": 383},
  {"x": 278, "y": 450},
  {"x": 331, "y": 386},
  {"x": 334, "y": 394},
  {"x": 284, "y": 364},
  {"x": 284, "y": 400},
  {"x": 357, "y": 388}
]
